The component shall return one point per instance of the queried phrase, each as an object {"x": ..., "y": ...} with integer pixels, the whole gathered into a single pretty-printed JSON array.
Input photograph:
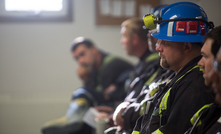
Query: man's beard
[{"x": 164, "y": 63}]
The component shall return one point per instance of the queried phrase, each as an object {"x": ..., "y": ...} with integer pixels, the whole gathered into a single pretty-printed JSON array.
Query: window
[
  {"x": 35, "y": 10},
  {"x": 114, "y": 12}
]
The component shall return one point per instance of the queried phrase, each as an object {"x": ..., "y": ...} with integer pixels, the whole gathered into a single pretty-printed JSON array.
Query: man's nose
[{"x": 159, "y": 45}]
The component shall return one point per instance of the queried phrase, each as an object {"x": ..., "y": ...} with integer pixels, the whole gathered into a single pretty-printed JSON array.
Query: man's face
[
  {"x": 84, "y": 56},
  {"x": 171, "y": 54},
  {"x": 206, "y": 60},
  {"x": 215, "y": 76},
  {"x": 126, "y": 41}
]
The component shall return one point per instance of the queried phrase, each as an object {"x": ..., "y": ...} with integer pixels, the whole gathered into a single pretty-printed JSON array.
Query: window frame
[{"x": 67, "y": 16}]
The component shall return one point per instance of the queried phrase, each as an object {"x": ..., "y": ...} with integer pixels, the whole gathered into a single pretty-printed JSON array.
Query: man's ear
[
  {"x": 135, "y": 39},
  {"x": 187, "y": 47}
]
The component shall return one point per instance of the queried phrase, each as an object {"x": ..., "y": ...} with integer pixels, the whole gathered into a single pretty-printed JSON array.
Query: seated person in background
[
  {"x": 107, "y": 75},
  {"x": 134, "y": 41},
  {"x": 207, "y": 120},
  {"x": 179, "y": 50},
  {"x": 126, "y": 114}
]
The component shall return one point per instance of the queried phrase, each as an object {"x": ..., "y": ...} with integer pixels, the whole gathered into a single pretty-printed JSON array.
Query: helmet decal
[
  {"x": 170, "y": 27},
  {"x": 180, "y": 26},
  {"x": 191, "y": 27}
]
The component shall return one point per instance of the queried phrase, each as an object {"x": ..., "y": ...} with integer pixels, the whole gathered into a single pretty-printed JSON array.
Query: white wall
[
  {"x": 37, "y": 72},
  {"x": 211, "y": 7}
]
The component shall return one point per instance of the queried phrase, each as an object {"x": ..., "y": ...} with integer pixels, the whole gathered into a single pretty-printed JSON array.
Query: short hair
[
  {"x": 81, "y": 41},
  {"x": 215, "y": 34},
  {"x": 135, "y": 26}
]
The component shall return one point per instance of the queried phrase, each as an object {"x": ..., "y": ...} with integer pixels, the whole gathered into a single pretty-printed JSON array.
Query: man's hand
[
  {"x": 108, "y": 90},
  {"x": 105, "y": 109},
  {"x": 117, "y": 117}
]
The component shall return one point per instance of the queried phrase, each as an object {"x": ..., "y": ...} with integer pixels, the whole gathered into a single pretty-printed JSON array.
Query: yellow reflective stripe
[
  {"x": 150, "y": 80},
  {"x": 153, "y": 91},
  {"x": 135, "y": 132},
  {"x": 157, "y": 132},
  {"x": 187, "y": 72},
  {"x": 81, "y": 101},
  {"x": 201, "y": 69},
  {"x": 163, "y": 103},
  {"x": 152, "y": 57},
  {"x": 196, "y": 115}
]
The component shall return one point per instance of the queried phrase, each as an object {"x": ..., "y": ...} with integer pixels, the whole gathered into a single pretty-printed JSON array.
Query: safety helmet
[{"x": 180, "y": 22}]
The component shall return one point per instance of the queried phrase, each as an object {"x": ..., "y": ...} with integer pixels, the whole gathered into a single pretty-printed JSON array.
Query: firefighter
[
  {"x": 104, "y": 76},
  {"x": 207, "y": 120},
  {"x": 134, "y": 41},
  {"x": 126, "y": 114},
  {"x": 181, "y": 28}
]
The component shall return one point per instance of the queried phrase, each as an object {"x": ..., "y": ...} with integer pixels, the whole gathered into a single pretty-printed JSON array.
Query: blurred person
[
  {"x": 181, "y": 28},
  {"x": 103, "y": 78},
  {"x": 124, "y": 117},
  {"x": 134, "y": 41},
  {"x": 126, "y": 113},
  {"x": 108, "y": 72},
  {"x": 207, "y": 120}
]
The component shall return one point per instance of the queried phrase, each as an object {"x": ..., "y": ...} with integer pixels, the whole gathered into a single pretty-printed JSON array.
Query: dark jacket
[
  {"x": 138, "y": 107},
  {"x": 112, "y": 70},
  {"x": 182, "y": 97},
  {"x": 207, "y": 120},
  {"x": 146, "y": 69}
]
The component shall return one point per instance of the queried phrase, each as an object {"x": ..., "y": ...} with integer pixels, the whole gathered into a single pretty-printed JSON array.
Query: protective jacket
[
  {"x": 138, "y": 107},
  {"x": 112, "y": 70},
  {"x": 207, "y": 120},
  {"x": 145, "y": 72},
  {"x": 180, "y": 99}
]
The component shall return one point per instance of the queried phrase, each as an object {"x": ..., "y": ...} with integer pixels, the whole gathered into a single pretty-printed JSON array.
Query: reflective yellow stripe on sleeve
[
  {"x": 151, "y": 57},
  {"x": 163, "y": 103},
  {"x": 196, "y": 115},
  {"x": 135, "y": 132},
  {"x": 157, "y": 132},
  {"x": 150, "y": 80}
]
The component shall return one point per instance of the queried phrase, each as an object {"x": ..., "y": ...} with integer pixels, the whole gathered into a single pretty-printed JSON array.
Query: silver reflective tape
[{"x": 170, "y": 27}]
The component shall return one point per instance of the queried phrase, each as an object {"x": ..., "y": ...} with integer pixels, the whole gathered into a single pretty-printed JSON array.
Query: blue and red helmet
[{"x": 182, "y": 22}]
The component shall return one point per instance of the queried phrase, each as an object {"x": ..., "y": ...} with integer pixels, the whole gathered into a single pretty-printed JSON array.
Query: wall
[{"x": 37, "y": 72}]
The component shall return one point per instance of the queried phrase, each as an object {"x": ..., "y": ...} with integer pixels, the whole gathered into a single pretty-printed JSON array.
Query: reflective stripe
[
  {"x": 196, "y": 115},
  {"x": 151, "y": 57},
  {"x": 219, "y": 120},
  {"x": 81, "y": 101},
  {"x": 157, "y": 132},
  {"x": 150, "y": 80},
  {"x": 107, "y": 60},
  {"x": 163, "y": 103},
  {"x": 170, "y": 26},
  {"x": 135, "y": 132},
  {"x": 201, "y": 69},
  {"x": 188, "y": 72}
]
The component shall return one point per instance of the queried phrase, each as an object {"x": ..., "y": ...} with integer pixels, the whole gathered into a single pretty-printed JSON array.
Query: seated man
[
  {"x": 107, "y": 75},
  {"x": 126, "y": 114},
  {"x": 208, "y": 119},
  {"x": 180, "y": 34},
  {"x": 134, "y": 41}
]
